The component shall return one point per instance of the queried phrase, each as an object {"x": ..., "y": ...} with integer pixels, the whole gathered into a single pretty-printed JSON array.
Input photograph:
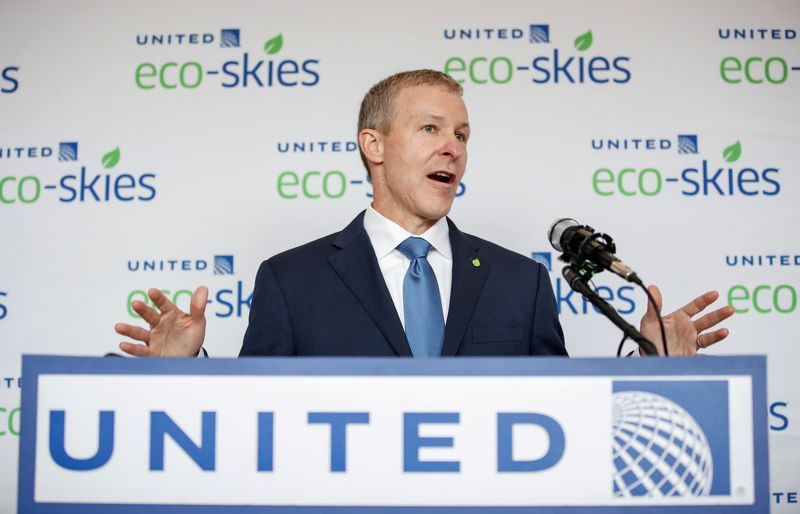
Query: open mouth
[{"x": 443, "y": 177}]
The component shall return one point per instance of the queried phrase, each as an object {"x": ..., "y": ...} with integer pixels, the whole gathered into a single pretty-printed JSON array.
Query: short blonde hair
[{"x": 377, "y": 107}]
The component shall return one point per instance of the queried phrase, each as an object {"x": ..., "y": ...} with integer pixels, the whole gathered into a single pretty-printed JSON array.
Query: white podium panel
[{"x": 221, "y": 435}]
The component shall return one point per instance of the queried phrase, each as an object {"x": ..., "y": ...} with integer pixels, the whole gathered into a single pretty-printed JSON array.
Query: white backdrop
[{"x": 200, "y": 173}]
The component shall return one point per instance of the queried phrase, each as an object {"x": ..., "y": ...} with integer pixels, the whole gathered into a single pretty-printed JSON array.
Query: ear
[{"x": 371, "y": 143}]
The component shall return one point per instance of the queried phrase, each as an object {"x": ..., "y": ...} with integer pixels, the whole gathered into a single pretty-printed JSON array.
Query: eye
[
  {"x": 461, "y": 137},
  {"x": 429, "y": 128}
]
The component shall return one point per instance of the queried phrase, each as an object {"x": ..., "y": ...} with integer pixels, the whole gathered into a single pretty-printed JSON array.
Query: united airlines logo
[
  {"x": 687, "y": 143},
  {"x": 223, "y": 265},
  {"x": 670, "y": 441},
  {"x": 229, "y": 38},
  {"x": 68, "y": 151},
  {"x": 540, "y": 34},
  {"x": 684, "y": 143}
]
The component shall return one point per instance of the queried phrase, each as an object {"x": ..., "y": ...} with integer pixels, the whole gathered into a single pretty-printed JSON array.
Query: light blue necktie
[{"x": 422, "y": 304}]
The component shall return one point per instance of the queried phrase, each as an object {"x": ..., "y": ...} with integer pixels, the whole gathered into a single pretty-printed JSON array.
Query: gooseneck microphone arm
[{"x": 577, "y": 282}]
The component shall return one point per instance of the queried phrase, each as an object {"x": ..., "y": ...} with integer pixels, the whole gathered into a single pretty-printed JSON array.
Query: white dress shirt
[{"x": 385, "y": 235}]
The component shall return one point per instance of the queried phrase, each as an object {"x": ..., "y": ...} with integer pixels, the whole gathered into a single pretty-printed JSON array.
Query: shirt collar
[{"x": 385, "y": 234}]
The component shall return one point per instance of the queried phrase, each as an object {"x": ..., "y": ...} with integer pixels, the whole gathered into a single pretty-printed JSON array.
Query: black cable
[
  {"x": 619, "y": 348},
  {"x": 636, "y": 280},
  {"x": 658, "y": 314},
  {"x": 624, "y": 335}
]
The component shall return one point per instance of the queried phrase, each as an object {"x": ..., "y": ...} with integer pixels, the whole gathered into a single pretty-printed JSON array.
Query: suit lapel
[
  {"x": 469, "y": 277},
  {"x": 356, "y": 265}
]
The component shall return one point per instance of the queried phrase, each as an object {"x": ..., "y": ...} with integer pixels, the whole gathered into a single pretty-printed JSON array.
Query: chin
[{"x": 438, "y": 213}]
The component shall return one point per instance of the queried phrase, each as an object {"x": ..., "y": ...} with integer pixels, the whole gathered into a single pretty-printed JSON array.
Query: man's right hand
[{"x": 173, "y": 333}]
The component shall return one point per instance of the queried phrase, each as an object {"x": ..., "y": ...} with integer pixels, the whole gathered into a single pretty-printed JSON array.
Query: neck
[{"x": 413, "y": 224}]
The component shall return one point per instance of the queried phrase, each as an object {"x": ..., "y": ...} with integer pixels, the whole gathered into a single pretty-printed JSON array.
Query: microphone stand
[{"x": 575, "y": 279}]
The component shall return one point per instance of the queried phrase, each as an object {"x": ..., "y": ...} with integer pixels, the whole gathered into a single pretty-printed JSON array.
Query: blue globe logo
[{"x": 658, "y": 448}]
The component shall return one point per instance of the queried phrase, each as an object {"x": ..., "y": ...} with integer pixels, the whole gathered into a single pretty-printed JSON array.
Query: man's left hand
[{"x": 684, "y": 335}]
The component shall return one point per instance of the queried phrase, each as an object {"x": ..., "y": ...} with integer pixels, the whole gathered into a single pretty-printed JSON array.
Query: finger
[
  {"x": 146, "y": 313},
  {"x": 709, "y": 338},
  {"x": 712, "y": 318},
  {"x": 134, "y": 332},
  {"x": 652, "y": 310},
  {"x": 656, "y": 292},
  {"x": 137, "y": 350},
  {"x": 700, "y": 303},
  {"x": 161, "y": 301},
  {"x": 199, "y": 301}
]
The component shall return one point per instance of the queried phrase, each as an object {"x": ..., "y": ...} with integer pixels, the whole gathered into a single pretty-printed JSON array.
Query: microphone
[{"x": 580, "y": 243}]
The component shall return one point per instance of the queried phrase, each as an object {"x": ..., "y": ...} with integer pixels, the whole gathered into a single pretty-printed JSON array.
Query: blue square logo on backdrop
[
  {"x": 229, "y": 38},
  {"x": 68, "y": 151},
  {"x": 671, "y": 438},
  {"x": 540, "y": 34},
  {"x": 687, "y": 143},
  {"x": 223, "y": 265},
  {"x": 544, "y": 258}
]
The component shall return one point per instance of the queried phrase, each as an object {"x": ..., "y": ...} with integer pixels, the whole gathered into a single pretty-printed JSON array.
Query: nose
[{"x": 452, "y": 147}]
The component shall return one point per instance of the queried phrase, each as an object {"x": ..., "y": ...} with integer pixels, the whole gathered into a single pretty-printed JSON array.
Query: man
[{"x": 386, "y": 284}]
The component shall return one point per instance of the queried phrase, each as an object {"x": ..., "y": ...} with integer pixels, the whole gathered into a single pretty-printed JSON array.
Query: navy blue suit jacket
[{"x": 329, "y": 298}]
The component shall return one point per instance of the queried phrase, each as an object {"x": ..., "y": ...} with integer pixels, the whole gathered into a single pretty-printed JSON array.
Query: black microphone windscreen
[{"x": 557, "y": 230}]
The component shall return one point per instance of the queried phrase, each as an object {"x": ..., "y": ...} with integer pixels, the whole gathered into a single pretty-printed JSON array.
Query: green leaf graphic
[
  {"x": 583, "y": 42},
  {"x": 733, "y": 152},
  {"x": 111, "y": 158},
  {"x": 274, "y": 45}
]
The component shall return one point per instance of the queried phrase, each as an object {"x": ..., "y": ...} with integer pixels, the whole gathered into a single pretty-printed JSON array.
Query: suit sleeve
[
  {"x": 547, "y": 337},
  {"x": 269, "y": 332}
]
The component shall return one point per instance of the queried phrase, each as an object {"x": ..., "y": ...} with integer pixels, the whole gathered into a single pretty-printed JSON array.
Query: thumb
[
  {"x": 199, "y": 301},
  {"x": 652, "y": 312}
]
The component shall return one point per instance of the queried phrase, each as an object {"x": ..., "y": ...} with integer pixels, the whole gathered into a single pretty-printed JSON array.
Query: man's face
[{"x": 424, "y": 157}]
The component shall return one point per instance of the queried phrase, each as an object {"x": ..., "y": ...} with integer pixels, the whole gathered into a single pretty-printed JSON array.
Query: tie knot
[{"x": 414, "y": 248}]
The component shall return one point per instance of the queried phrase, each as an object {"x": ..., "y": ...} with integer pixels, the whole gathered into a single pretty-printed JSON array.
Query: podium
[{"x": 386, "y": 435}]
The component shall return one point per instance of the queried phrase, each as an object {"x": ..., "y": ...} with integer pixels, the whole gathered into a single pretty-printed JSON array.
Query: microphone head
[{"x": 557, "y": 230}]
